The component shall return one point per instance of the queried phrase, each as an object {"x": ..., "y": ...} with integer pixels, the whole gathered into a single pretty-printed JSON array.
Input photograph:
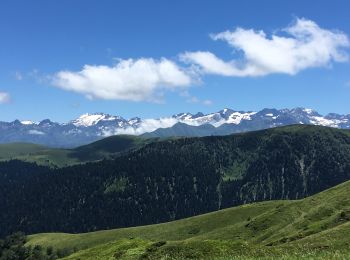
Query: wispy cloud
[
  {"x": 302, "y": 45},
  {"x": 194, "y": 99},
  {"x": 18, "y": 75},
  {"x": 4, "y": 97},
  {"x": 36, "y": 132},
  {"x": 207, "y": 102}
]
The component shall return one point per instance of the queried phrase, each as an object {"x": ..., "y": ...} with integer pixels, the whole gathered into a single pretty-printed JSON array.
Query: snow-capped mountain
[
  {"x": 225, "y": 116},
  {"x": 91, "y": 127},
  {"x": 93, "y": 119}
]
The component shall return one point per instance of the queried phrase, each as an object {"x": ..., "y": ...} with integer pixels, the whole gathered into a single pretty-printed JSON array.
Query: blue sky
[{"x": 144, "y": 57}]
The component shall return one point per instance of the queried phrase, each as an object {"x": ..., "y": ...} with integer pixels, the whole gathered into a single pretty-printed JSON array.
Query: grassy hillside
[
  {"x": 8, "y": 151},
  {"x": 318, "y": 226},
  {"x": 173, "y": 179},
  {"x": 105, "y": 148}
]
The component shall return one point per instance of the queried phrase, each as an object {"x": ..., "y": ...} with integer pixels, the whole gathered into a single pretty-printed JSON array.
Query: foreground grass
[
  {"x": 317, "y": 227},
  {"x": 206, "y": 249}
]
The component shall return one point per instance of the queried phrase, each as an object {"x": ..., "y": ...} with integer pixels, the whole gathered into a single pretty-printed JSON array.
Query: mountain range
[{"x": 91, "y": 127}]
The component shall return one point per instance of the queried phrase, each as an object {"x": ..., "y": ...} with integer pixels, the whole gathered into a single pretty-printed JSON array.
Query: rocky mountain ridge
[{"x": 91, "y": 127}]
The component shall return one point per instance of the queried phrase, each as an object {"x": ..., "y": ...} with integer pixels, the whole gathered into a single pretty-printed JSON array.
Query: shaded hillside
[
  {"x": 103, "y": 149},
  {"x": 174, "y": 179},
  {"x": 181, "y": 129},
  {"x": 317, "y": 226},
  {"x": 109, "y": 147},
  {"x": 13, "y": 150}
]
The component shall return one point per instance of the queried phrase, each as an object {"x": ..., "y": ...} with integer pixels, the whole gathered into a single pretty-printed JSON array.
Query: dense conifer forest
[{"x": 173, "y": 179}]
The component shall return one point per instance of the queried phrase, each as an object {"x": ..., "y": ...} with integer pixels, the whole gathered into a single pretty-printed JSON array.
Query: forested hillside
[
  {"x": 316, "y": 227},
  {"x": 173, "y": 179}
]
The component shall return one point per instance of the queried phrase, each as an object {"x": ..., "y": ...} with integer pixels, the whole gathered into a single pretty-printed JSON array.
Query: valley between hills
[
  {"x": 174, "y": 130},
  {"x": 279, "y": 193}
]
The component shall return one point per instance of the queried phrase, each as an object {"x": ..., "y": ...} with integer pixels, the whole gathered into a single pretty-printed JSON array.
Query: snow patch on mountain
[
  {"x": 308, "y": 111},
  {"x": 319, "y": 120},
  {"x": 92, "y": 119},
  {"x": 225, "y": 116},
  {"x": 237, "y": 117},
  {"x": 27, "y": 122}
]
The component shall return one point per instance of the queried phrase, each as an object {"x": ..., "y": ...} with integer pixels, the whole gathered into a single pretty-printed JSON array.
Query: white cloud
[
  {"x": 35, "y": 132},
  {"x": 147, "y": 125},
  {"x": 4, "y": 97},
  {"x": 302, "y": 45},
  {"x": 210, "y": 63},
  {"x": 135, "y": 80}
]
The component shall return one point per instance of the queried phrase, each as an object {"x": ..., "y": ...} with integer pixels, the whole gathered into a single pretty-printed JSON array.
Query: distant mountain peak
[
  {"x": 88, "y": 119},
  {"x": 47, "y": 122},
  {"x": 308, "y": 110},
  {"x": 93, "y": 126},
  {"x": 198, "y": 114},
  {"x": 27, "y": 122}
]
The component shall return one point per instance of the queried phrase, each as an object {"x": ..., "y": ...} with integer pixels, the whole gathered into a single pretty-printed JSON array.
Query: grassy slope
[
  {"x": 42, "y": 155},
  {"x": 18, "y": 149},
  {"x": 317, "y": 226},
  {"x": 36, "y": 153}
]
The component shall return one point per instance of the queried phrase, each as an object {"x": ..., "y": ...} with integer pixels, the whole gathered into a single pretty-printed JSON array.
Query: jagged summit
[
  {"x": 93, "y": 126},
  {"x": 93, "y": 119}
]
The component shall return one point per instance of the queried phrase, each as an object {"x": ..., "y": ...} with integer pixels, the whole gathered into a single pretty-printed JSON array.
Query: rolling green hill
[
  {"x": 103, "y": 149},
  {"x": 317, "y": 226},
  {"x": 173, "y": 179},
  {"x": 13, "y": 150}
]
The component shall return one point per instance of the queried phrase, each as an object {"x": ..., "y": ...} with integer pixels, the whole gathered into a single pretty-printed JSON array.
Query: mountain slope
[
  {"x": 182, "y": 129},
  {"x": 109, "y": 147},
  {"x": 13, "y": 150},
  {"x": 91, "y": 127},
  {"x": 173, "y": 179},
  {"x": 315, "y": 226},
  {"x": 103, "y": 149}
]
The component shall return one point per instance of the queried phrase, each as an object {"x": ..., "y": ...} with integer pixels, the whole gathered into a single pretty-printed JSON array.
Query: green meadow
[{"x": 317, "y": 227}]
